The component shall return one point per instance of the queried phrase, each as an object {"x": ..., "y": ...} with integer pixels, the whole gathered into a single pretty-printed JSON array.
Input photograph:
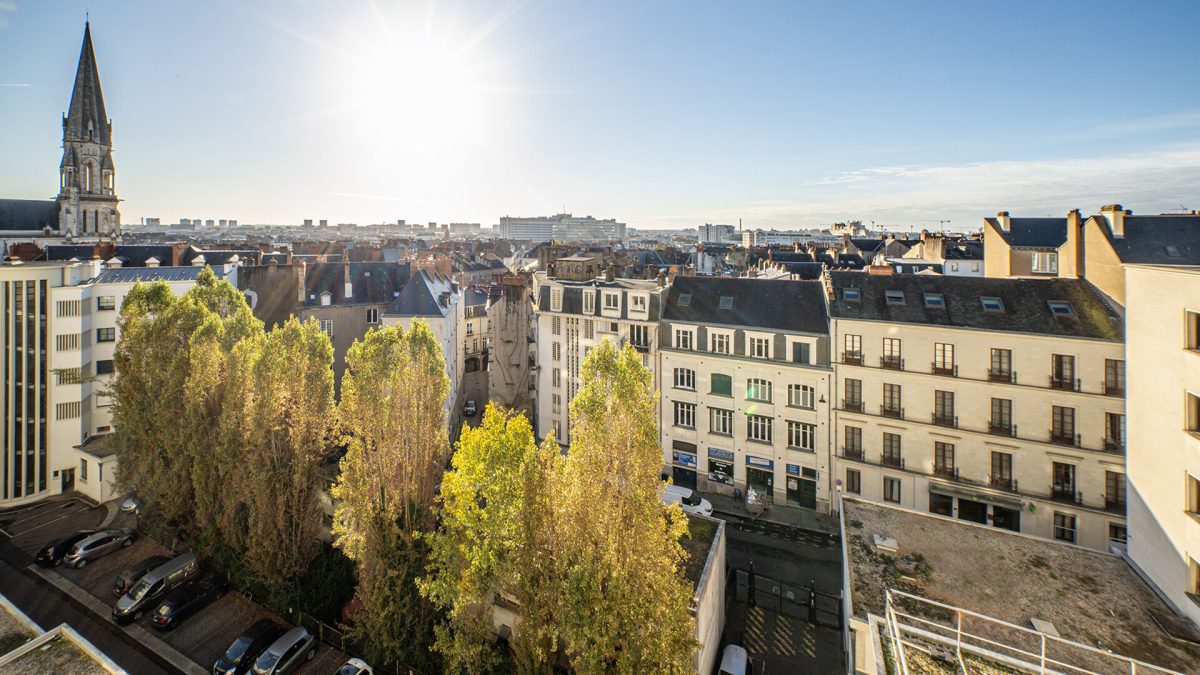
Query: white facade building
[
  {"x": 561, "y": 227},
  {"x": 716, "y": 234}
]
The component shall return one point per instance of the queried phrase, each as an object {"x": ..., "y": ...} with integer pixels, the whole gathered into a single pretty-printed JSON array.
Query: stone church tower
[{"x": 87, "y": 198}]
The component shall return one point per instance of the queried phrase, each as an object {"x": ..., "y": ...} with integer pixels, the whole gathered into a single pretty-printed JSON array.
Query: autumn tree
[{"x": 392, "y": 412}]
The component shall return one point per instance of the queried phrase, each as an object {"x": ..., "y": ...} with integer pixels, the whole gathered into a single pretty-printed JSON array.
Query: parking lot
[{"x": 202, "y": 637}]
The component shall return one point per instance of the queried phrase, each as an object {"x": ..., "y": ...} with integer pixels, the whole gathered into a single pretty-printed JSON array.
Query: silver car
[
  {"x": 95, "y": 545},
  {"x": 287, "y": 653}
]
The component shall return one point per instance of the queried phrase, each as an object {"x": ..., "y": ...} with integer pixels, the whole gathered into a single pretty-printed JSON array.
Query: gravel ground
[
  {"x": 56, "y": 656},
  {"x": 1090, "y": 598},
  {"x": 12, "y": 633}
]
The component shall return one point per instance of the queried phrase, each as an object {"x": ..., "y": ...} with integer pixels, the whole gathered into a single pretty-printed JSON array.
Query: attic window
[
  {"x": 992, "y": 304},
  {"x": 1061, "y": 308},
  {"x": 850, "y": 294},
  {"x": 726, "y": 302},
  {"x": 935, "y": 300},
  {"x": 894, "y": 297},
  {"x": 1173, "y": 250},
  {"x": 685, "y": 299}
]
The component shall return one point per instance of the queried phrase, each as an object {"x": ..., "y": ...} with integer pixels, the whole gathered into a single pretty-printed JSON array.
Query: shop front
[
  {"x": 802, "y": 486},
  {"x": 683, "y": 464},
  {"x": 760, "y": 475},
  {"x": 720, "y": 467}
]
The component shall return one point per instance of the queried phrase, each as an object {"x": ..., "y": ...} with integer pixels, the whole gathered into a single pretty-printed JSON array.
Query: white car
[
  {"x": 734, "y": 661},
  {"x": 355, "y": 667},
  {"x": 688, "y": 500}
]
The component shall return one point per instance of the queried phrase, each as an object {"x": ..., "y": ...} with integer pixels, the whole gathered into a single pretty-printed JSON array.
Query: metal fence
[{"x": 799, "y": 602}]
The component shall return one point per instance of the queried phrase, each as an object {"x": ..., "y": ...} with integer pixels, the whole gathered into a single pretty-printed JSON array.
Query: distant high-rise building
[
  {"x": 561, "y": 227},
  {"x": 715, "y": 234}
]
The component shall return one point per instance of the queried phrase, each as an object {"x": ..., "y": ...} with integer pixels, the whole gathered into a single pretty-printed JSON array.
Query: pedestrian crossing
[{"x": 773, "y": 633}]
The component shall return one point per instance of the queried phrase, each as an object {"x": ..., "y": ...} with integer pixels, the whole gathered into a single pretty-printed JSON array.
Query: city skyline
[{"x": 654, "y": 116}]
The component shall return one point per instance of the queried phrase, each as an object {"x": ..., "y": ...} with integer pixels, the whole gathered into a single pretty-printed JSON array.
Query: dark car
[
  {"x": 53, "y": 554},
  {"x": 127, "y": 578},
  {"x": 186, "y": 600},
  {"x": 245, "y": 649}
]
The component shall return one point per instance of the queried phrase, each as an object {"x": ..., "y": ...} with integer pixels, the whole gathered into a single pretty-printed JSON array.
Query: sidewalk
[{"x": 779, "y": 514}]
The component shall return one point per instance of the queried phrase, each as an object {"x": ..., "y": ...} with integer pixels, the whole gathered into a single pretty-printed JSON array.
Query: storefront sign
[
  {"x": 793, "y": 470},
  {"x": 720, "y": 454},
  {"x": 684, "y": 459},
  {"x": 751, "y": 460}
]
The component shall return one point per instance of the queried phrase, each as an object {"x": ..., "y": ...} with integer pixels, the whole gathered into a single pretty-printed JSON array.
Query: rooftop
[
  {"x": 1091, "y": 598},
  {"x": 777, "y": 304},
  {"x": 1033, "y": 232}
]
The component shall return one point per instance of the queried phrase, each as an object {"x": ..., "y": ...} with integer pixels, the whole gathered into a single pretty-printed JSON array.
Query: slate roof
[
  {"x": 776, "y": 304},
  {"x": 28, "y": 214},
  {"x": 1160, "y": 240},
  {"x": 1025, "y": 304},
  {"x": 421, "y": 296},
  {"x": 128, "y": 275},
  {"x": 132, "y": 255},
  {"x": 371, "y": 282},
  {"x": 1034, "y": 232},
  {"x": 967, "y": 250},
  {"x": 572, "y": 302}
]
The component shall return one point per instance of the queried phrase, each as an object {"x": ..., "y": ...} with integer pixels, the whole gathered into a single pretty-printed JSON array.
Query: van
[
  {"x": 688, "y": 500},
  {"x": 734, "y": 661},
  {"x": 153, "y": 586}
]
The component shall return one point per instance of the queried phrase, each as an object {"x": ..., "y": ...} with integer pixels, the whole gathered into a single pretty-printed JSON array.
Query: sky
[{"x": 659, "y": 114}]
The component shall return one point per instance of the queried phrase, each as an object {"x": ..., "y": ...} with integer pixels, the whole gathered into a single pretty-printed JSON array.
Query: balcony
[
  {"x": 1002, "y": 375},
  {"x": 950, "y": 370},
  {"x": 1066, "y": 493},
  {"x": 1114, "y": 505},
  {"x": 887, "y": 460},
  {"x": 1006, "y": 483},
  {"x": 888, "y": 411},
  {"x": 853, "y": 453},
  {"x": 1114, "y": 389},
  {"x": 1002, "y": 428},
  {"x": 945, "y": 420},
  {"x": 950, "y": 472},
  {"x": 1114, "y": 445},
  {"x": 1060, "y": 437},
  {"x": 852, "y": 358},
  {"x": 1064, "y": 383},
  {"x": 891, "y": 362},
  {"x": 853, "y": 406}
]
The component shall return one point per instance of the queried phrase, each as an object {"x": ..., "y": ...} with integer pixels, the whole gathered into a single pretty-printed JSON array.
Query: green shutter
[{"x": 722, "y": 385}]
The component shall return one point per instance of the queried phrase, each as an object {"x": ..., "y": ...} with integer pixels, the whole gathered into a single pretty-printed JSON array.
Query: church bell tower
[{"x": 87, "y": 198}]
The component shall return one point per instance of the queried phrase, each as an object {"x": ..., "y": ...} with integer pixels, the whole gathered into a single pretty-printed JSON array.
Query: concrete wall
[
  {"x": 510, "y": 332},
  {"x": 709, "y": 603},
  {"x": 1101, "y": 266},
  {"x": 996, "y": 251}
]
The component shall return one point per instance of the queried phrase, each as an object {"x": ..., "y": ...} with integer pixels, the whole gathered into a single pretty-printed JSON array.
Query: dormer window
[
  {"x": 991, "y": 304},
  {"x": 1060, "y": 308},
  {"x": 685, "y": 299},
  {"x": 326, "y": 299},
  {"x": 726, "y": 302},
  {"x": 850, "y": 295},
  {"x": 894, "y": 297},
  {"x": 935, "y": 300}
]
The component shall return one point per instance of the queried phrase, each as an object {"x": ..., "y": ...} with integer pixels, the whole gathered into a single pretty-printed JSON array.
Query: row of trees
[{"x": 223, "y": 428}]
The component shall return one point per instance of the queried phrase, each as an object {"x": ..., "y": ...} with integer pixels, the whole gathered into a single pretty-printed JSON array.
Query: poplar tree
[{"x": 394, "y": 424}]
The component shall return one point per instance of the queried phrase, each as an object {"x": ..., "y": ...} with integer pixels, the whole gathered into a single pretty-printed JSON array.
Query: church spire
[{"x": 87, "y": 120}]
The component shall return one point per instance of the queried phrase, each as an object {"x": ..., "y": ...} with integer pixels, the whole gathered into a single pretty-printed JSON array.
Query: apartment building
[
  {"x": 474, "y": 330},
  {"x": 996, "y": 401},
  {"x": 561, "y": 227},
  {"x": 1163, "y": 339},
  {"x": 746, "y": 377},
  {"x": 573, "y": 313}
]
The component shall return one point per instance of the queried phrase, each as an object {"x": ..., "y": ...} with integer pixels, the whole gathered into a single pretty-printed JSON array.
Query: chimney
[
  {"x": 1116, "y": 218},
  {"x": 349, "y": 288},
  {"x": 1004, "y": 220},
  {"x": 662, "y": 277},
  {"x": 609, "y": 273}
]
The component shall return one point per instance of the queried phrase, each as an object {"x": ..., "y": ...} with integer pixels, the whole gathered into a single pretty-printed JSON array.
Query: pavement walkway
[{"x": 789, "y": 516}]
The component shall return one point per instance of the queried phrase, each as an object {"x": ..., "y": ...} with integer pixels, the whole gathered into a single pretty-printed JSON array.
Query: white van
[
  {"x": 689, "y": 501},
  {"x": 734, "y": 661}
]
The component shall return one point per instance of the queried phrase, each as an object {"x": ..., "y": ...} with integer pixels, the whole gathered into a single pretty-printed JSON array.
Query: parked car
[
  {"x": 470, "y": 408},
  {"x": 128, "y": 577},
  {"x": 286, "y": 653},
  {"x": 688, "y": 500},
  {"x": 98, "y": 544},
  {"x": 153, "y": 586},
  {"x": 734, "y": 661},
  {"x": 246, "y": 648},
  {"x": 53, "y": 554},
  {"x": 355, "y": 667},
  {"x": 186, "y": 600}
]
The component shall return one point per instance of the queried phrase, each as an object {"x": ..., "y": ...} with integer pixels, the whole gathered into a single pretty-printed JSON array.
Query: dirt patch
[{"x": 1091, "y": 598}]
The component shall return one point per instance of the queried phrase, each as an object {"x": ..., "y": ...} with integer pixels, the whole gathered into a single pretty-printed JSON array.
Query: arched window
[{"x": 87, "y": 177}]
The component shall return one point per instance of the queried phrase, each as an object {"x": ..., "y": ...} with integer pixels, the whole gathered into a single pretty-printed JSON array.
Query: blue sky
[{"x": 664, "y": 114}]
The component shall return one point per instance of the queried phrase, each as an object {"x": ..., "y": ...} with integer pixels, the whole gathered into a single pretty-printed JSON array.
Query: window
[
  {"x": 68, "y": 376},
  {"x": 1192, "y": 410},
  {"x": 556, "y": 403},
  {"x": 1062, "y": 421},
  {"x": 943, "y": 459},
  {"x": 758, "y": 390},
  {"x": 852, "y": 349},
  {"x": 1064, "y": 527},
  {"x": 83, "y": 467},
  {"x": 67, "y": 308},
  {"x": 853, "y": 400},
  {"x": 802, "y": 436},
  {"x": 1114, "y": 432},
  {"x": 992, "y": 304},
  {"x": 850, "y": 295},
  {"x": 685, "y": 415},
  {"x": 683, "y": 339},
  {"x": 104, "y": 367},
  {"x": 327, "y": 327},
  {"x": 760, "y": 347},
  {"x": 720, "y": 468},
  {"x": 891, "y": 354},
  {"x": 758, "y": 428},
  {"x": 1001, "y": 368},
  {"x": 556, "y": 351},
  {"x": 556, "y": 299},
  {"x": 1114, "y": 377},
  {"x": 556, "y": 377},
  {"x": 720, "y": 421},
  {"x": 1062, "y": 371},
  {"x": 1193, "y": 495},
  {"x": 106, "y": 334},
  {"x": 685, "y": 378},
  {"x": 720, "y": 385},
  {"x": 801, "y": 352},
  {"x": 1191, "y": 329},
  {"x": 639, "y": 335},
  {"x": 589, "y": 302},
  {"x": 612, "y": 301},
  {"x": 801, "y": 396},
  {"x": 67, "y": 411},
  {"x": 1118, "y": 533},
  {"x": 556, "y": 325},
  {"x": 935, "y": 300},
  {"x": 1001, "y": 415},
  {"x": 891, "y": 490},
  {"x": 1114, "y": 490},
  {"x": 853, "y": 439},
  {"x": 1045, "y": 262},
  {"x": 891, "y": 450},
  {"x": 685, "y": 299},
  {"x": 720, "y": 343},
  {"x": 894, "y": 297},
  {"x": 106, "y": 303},
  {"x": 943, "y": 408},
  {"x": 943, "y": 358},
  {"x": 1002, "y": 471},
  {"x": 589, "y": 329},
  {"x": 726, "y": 302},
  {"x": 470, "y": 324},
  {"x": 891, "y": 400},
  {"x": 853, "y": 481},
  {"x": 67, "y": 343},
  {"x": 1063, "y": 476},
  {"x": 637, "y": 303},
  {"x": 1060, "y": 308}
]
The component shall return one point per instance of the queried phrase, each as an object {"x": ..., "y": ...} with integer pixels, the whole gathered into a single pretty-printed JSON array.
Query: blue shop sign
[
  {"x": 684, "y": 459},
  {"x": 720, "y": 454},
  {"x": 751, "y": 460},
  {"x": 793, "y": 470}
]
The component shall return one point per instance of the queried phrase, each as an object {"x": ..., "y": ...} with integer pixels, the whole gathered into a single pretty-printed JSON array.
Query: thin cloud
[{"x": 15, "y": 84}]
